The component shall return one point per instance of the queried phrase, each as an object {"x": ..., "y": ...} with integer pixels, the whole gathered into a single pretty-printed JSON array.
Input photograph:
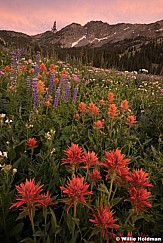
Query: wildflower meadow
[{"x": 80, "y": 152}]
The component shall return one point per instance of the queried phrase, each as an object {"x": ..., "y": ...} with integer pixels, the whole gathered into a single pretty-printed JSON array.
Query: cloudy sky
[{"x": 36, "y": 16}]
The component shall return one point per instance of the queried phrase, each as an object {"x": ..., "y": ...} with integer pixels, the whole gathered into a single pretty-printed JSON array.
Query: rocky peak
[{"x": 93, "y": 33}]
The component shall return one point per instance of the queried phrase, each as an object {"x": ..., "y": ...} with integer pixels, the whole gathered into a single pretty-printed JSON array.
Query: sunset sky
[{"x": 37, "y": 16}]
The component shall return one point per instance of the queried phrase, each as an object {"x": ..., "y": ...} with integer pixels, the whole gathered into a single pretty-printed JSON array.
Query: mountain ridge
[{"x": 92, "y": 34}]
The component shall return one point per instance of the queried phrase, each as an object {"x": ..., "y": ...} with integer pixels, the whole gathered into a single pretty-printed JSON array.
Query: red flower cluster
[
  {"x": 139, "y": 178},
  {"x": 82, "y": 107},
  {"x": 131, "y": 120},
  {"x": 74, "y": 155},
  {"x": 52, "y": 68},
  {"x": 138, "y": 194},
  {"x": 124, "y": 105},
  {"x": 29, "y": 193},
  {"x": 32, "y": 143},
  {"x": 43, "y": 67},
  {"x": 112, "y": 110},
  {"x": 95, "y": 175},
  {"x": 99, "y": 124},
  {"x": 93, "y": 109},
  {"x": 110, "y": 97},
  {"x": 90, "y": 159},
  {"x": 139, "y": 198},
  {"x": 116, "y": 163},
  {"x": 104, "y": 220},
  {"x": 30, "y": 196},
  {"x": 7, "y": 69},
  {"x": 76, "y": 189}
]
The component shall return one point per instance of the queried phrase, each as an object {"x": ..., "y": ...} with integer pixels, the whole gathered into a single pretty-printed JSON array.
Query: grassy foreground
[{"x": 80, "y": 152}]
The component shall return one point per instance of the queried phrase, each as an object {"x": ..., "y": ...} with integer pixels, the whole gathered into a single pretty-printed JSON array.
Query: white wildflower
[
  {"x": 14, "y": 171},
  {"x": 5, "y": 154},
  {"x": 2, "y": 115}
]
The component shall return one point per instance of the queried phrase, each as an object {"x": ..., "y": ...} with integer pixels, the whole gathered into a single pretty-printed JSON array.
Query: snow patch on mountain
[{"x": 77, "y": 42}]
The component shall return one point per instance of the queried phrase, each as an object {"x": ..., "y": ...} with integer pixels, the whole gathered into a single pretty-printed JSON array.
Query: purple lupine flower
[
  {"x": 67, "y": 92},
  {"x": 63, "y": 81},
  {"x": 38, "y": 58},
  {"x": 14, "y": 66},
  {"x": 28, "y": 84},
  {"x": 51, "y": 83},
  {"x": 36, "y": 71},
  {"x": 37, "y": 66},
  {"x": 17, "y": 52},
  {"x": 51, "y": 86},
  {"x": 36, "y": 98},
  {"x": 75, "y": 93},
  {"x": 57, "y": 96}
]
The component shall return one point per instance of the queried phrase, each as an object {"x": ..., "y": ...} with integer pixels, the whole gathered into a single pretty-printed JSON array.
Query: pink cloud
[{"x": 34, "y": 17}]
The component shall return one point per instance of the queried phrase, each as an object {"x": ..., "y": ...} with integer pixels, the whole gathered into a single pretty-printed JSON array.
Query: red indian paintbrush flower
[
  {"x": 82, "y": 107},
  {"x": 98, "y": 124},
  {"x": 52, "y": 68},
  {"x": 112, "y": 110},
  {"x": 93, "y": 109},
  {"x": 43, "y": 67},
  {"x": 77, "y": 116},
  {"x": 121, "y": 174},
  {"x": 23, "y": 68},
  {"x": 116, "y": 162},
  {"x": 74, "y": 155},
  {"x": 104, "y": 220},
  {"x": 76, "y": 189},
  {"x": 102, "y": 102},
  {"x": 124, "y": 105},
  {"x": 32, "y": 143},
  {"x": 46, "y": 199},
  {"x": 64, "y": 72},
  {"x": 138, "y": 178},
  {"x": 7, "y": 69},
  {"x": 110, "y": 97},
  {"x": 90, "y": 159},
  {"x": 139, "y": 198},
  {"x": 131, "y": 120},
  {"x": 95, "y": 175},
  {"x": 29, "y": 194}
]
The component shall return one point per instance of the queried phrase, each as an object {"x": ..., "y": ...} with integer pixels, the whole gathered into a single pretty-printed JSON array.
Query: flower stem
[
  {"x": 111, "y": 186},
  {"x": 45, "y": 217},
  {"x": 75, "y": 210},
  {"x": 32, "y": 223},
  {"x": 86, "y": 174},
  {"x": 129, "y": 216}
]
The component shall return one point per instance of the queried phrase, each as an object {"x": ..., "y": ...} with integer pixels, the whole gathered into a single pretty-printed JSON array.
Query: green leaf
[
  {"x": 12, "y": 154},
  {"x": 22, "y": 215},
  {"x": 70, "y": 222},
  {"x": 95, "y": 231},
  {"x": 76, "y": 220},
  {"x": 54, "y": 219},
  {"x": 115, "y": 201},
  {"x": 103, "y": 188},
  {"x": 16, "y": 164},
  {"x": 39, "y": 233},
  {"x": 16, "y": 229},
  {"x": 23, "y": 141},
  {"x": 27, "y": 240},
  {"x": 87, "y": 241}
]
